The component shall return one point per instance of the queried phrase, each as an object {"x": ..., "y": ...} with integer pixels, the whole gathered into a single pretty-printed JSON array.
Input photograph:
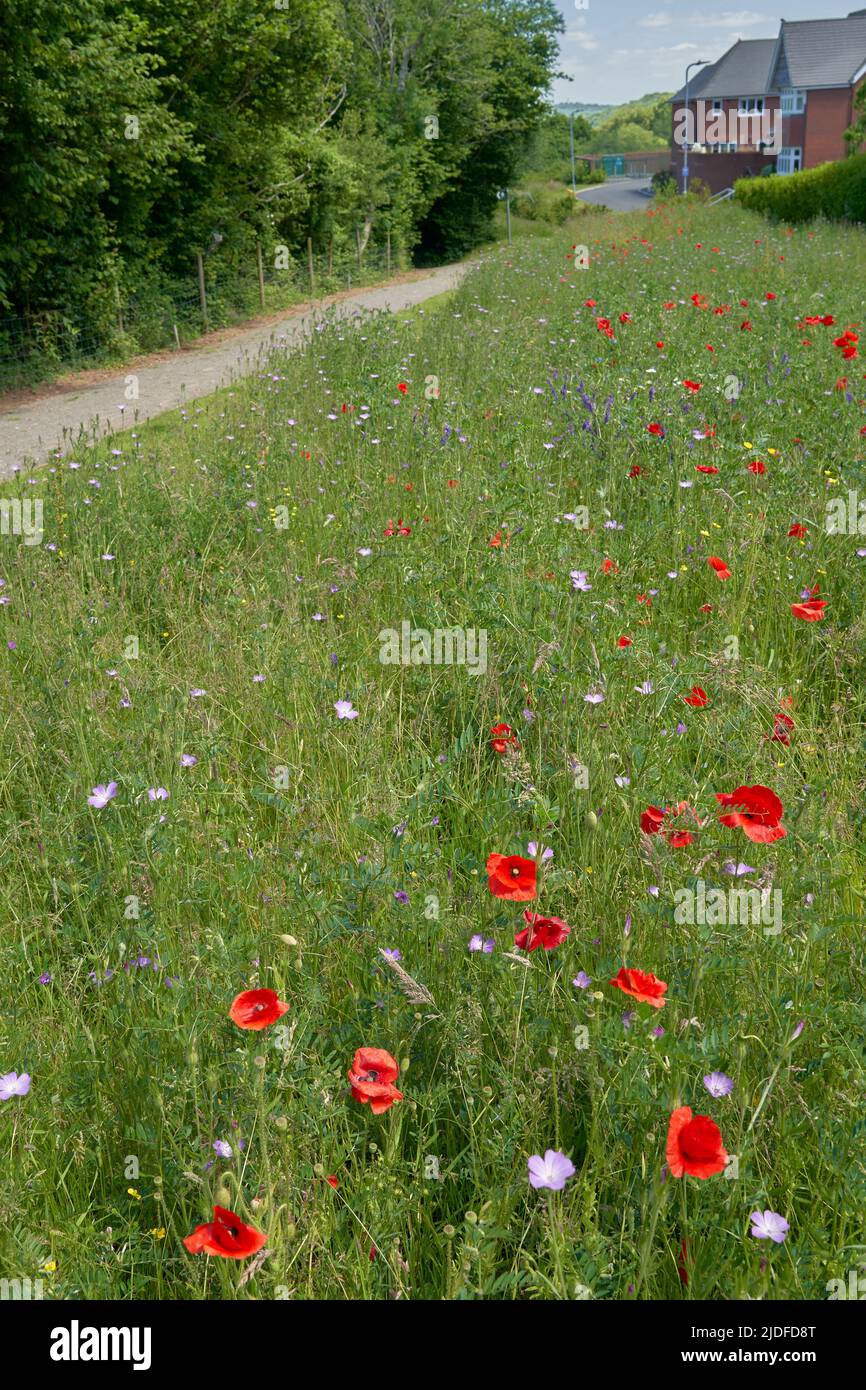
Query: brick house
[{"x": 783, "y": 102}]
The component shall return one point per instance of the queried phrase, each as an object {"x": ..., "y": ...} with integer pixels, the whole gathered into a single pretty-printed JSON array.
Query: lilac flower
[
  {"x": 101, "y": 795},
  {"x": 645, "y": 689},
  {"x": 14, "y": 1085},
  {"x": 581, "y": 980},
  {"x": 622, "y": 781},
  {"x": 401, "y": 897},
  {"x": 579, "y": 581},
  {"x": 532, "y": 850},
  {"x": 188, "y": 760},
  {"x": 552, "y": 1171},
  {"x": 595, "y": 697},
  {"x": 222, "y": 1149},
  {"x": 394, "y": 954},
  {"x": 477, "y": 943},
  {"x": 45, "y": 978},
  {"x": 344, "y": 710},
  {"x": 157, "y": 794},
  {"x": 196, "y": 694},
  {"x": 718, "y": 1084},
  {"x": 257, "y": 680},
  {"x": 737, "y": 869},
  {"x": 658, "y": 1031},
  {"x": 769, "y": 1225}
]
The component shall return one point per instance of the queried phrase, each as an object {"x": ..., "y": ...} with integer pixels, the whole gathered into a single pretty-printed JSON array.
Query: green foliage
[
  {"x": 135, "y": 135},
  {"x": 835, "y": 191}
]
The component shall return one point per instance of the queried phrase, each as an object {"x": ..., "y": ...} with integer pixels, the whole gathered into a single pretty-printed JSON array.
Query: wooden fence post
[
  {"x": 261, "y": 275},
  {"x": 310, "y": 264},
  {"x": 388, "y": 249},
  {"x": 202, "y": 294}
]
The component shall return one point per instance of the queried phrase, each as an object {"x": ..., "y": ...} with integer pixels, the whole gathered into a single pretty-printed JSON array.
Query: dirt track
[{"x": 88, "y": 405}]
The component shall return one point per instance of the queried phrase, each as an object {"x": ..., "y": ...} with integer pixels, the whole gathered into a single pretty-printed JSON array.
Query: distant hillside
[{"x": 600, "y": 114}]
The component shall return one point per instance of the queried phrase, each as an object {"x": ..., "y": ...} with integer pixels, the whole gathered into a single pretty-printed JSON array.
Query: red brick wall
[
  {"x": 828, "y": 115},
  {"x": 742, "y": 130},
  {"x": 719, "y": 171}
]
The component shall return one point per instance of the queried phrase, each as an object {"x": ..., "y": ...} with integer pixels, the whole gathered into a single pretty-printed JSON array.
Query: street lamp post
[{"x": 701, "y": 62}]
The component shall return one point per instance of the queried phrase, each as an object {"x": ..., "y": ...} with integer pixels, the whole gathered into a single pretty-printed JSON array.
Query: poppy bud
[
  {"x": 222, "y": 1196},
  {"x": 288, "y": 940},
  {"x": 590, "y": 820}
]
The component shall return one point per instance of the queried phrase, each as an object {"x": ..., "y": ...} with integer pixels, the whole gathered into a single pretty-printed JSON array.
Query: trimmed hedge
[{"x": 834, "y": 191}]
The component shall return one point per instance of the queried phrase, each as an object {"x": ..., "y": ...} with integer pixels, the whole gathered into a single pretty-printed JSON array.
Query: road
[
  {"x": 620, "y": 195},
  {"x": 34, "y": 427}
]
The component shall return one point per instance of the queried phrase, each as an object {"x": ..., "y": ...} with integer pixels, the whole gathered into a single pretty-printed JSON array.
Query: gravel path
[{"x": 32, "y": 427}]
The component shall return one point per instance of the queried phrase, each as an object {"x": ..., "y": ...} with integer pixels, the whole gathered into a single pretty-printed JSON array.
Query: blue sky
[{"x": 616, "y": 50}]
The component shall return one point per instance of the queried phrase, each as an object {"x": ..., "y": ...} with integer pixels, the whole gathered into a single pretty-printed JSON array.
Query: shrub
[
  {"x": 835, "y": 191},
  {"x": 664, "y": 181}
]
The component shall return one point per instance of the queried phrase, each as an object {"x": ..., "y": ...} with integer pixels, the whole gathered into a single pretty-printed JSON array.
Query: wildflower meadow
[{"x": 432, "y": 802}]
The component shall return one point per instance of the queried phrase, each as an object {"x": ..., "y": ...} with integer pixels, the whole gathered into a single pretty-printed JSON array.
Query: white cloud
[
  {"x": 661, "y": 20},
  {"x": 732, "y": 19}
]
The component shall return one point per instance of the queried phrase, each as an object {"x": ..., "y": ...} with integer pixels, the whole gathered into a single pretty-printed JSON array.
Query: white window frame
[
  {"x": 746, "y": 105},
  {"x": 793, "y": 101},
  {"x": 718, "y": 104},
  {"x": 790, "y": 160}
]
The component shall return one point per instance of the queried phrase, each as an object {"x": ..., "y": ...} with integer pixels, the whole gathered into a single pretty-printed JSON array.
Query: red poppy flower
[
  {"x": 798, "y": 530},
  {"x": 372, "y": 1076},
  {"x": 635, "y": 470},
  {"x": 698, "y": 698},
  {"x": 758, "y": 812},
  {"x": 402, "y": 387},
  {"x": 745, "y": 326},
  {"x": 719, "y": 566},
  {"x": 548, "y": 932},
  {"x": 625, "y": 318},
  {"x": 812, "y": 611},
  {"x": 257, "y": 1009},
  {"x": 757, "y": 466},
  {"x": 782, "y": 726},
  {"x": 694, "y": 1145},
  {"x": 226, "y": 1235},
  {"x": 623, "y": 641},
  {"x": 609, "y": 566},
  {"x": 705, "y": 468},
  {"x": 511, "y": 876},
  {"x": 503, "y": 737},
  {"x": 651, "y": 820},
  {"x": 332, "y": 1181},
  {"x": 684, "y": 1260},
  {"x": 660, "y": 343},
  {"x": 641, "y": 985},
  {"x": 692, "y": 385},
  {"x": 656, "y": 429},
  {"x": 398, "y": 530}
]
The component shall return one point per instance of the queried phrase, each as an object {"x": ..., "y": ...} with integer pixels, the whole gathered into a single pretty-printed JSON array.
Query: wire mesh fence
[{"x": 219, "y": 293}]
